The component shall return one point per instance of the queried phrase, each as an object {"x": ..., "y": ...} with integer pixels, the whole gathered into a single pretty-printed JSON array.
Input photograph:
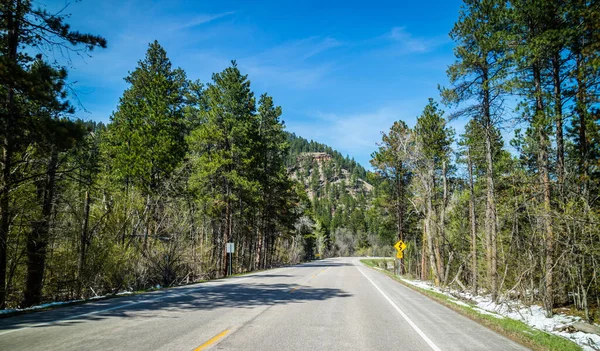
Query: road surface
[{"x": 333, "y": 304}]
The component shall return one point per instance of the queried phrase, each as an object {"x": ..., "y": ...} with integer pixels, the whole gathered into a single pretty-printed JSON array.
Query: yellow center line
[
  {"x": 212, "y": 341},
  {"x": 320, "y": 272}
]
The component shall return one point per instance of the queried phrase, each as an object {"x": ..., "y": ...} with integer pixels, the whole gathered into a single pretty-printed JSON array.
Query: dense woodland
[
  {"x": 149, "y": 199},
  {"x": 518, "y": 216},
  {"x": 185, "y": 166}
]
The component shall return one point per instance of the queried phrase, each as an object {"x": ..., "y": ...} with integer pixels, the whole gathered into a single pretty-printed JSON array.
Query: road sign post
[
  {"x": 230, "y": 249},
  {"x": 400, "y": 246}
]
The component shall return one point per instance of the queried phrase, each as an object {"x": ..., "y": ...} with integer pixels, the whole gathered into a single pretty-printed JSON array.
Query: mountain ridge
[{"x": 319, "y": 167}]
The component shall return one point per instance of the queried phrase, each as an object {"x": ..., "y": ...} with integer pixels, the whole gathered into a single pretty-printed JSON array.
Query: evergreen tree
[
  {"x": 480, "y": 77},
  {"x": 433, "y": 139},
  {"x": 392, "y": 163},
  {"x": 222, "y": 149},
  {"x": 146, "y": 133}
]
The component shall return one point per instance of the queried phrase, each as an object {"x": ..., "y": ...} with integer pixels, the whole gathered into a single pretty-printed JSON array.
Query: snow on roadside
[
  {"x": 482, "y": 311},
  {"x": 533, "y": 315},
  {"x": 38, "y": 307},
  {"x": 59, "y": 303},
  {"x": 458, "y": 302}
]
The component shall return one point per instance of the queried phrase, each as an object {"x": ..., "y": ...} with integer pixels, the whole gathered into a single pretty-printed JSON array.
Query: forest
[
  {"x": 517, "y": 217},
  {"x": 149, "y": 199}
]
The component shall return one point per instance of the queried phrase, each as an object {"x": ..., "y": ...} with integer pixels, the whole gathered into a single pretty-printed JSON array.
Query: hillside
[
  {"x": 324, "y": 171},
  {"x": 340, "y": 194}
]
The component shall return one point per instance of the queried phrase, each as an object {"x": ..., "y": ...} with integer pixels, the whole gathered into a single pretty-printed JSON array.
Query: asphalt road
[{"x": 333, "y": 304}]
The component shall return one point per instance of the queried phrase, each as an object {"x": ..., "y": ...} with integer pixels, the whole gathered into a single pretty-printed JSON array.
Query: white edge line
[{"x": 410, "y": 322}]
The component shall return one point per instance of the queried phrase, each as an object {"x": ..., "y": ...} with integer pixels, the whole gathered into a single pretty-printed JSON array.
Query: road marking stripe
[
  {"x": 316, "y": 274},
  {"x": 212, "y": 340},
  {"x": 410, "y": 322}
]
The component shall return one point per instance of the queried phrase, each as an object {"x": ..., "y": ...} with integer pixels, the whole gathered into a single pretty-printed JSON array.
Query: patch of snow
[
  {"x": 482, "y": 311},
  {"x": 38, "y": 307},
  {"x": 533, "y": 315},
  {"x": 422, "y": 284},
  {"x": 589, "y": 342},
  {"x": 460, "y": 303},
  {"x": 58, "y": 303}
]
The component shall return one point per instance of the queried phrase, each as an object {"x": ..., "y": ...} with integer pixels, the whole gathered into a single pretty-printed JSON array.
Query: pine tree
[
  {"x": 433, "y": 139},
  {"x": 146, "y": 133},
  {"x": 480, "y": 76},
  {"x": 222, "y": 153},
  {"x": 392, "y": 163},
  {"x": 271, "y": 149}
]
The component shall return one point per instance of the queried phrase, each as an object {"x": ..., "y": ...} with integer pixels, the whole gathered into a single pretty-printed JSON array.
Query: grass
[{"x": 513, "y": 329}]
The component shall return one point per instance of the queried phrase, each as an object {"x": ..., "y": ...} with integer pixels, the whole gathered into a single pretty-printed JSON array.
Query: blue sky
[{"x": 343, "y": 71}]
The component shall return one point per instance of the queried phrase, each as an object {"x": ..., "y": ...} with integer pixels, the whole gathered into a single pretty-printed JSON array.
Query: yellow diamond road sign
[
  {"x": 400, "y": 246},
  {"x": 399, "y": 254}
]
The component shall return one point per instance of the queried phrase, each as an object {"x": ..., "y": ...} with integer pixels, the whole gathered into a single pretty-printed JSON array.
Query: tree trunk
[
  {"x": 442, "y": 225},
  {"x": 431, "y": 236},
  {"x": 558, "y": 115},
  {"x": 258, "y": 254},
  {"x": 83, "y": 241},
  {"x": 424, "y": 268},
  {"x": 37, "y": 240},
  {"x": 544, "y": 142},
  {"x": 473, "y": 225},
  {"x": 13, "y": 32},
  {"x": 226, "y": 235},
  {"x": 490, "y": 210},
  {"x": 4, "y": 218},
  {"x": 580, "y": 109}
]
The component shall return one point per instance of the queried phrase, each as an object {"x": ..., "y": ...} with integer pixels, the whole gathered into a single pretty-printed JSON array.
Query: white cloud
[
  {"x": 201, "y": 19},
  {"x": 298, "y": 50},
  {"x": 410, "y": 44},
  {"x": 287, "y": 64}
]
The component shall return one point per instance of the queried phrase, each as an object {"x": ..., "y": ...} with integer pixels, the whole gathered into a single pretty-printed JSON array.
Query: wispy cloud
[
  {"x": 399, "y": 34},
  {"x": 299, "y": 50},
  {"x": 201, "y": 19},
  {"x": 296, "y": 63},
  {"x": 408, "y": 43}
]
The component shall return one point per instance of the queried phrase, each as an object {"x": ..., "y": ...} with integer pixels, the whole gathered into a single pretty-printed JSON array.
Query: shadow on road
[{"x": 179, "y": 300}]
